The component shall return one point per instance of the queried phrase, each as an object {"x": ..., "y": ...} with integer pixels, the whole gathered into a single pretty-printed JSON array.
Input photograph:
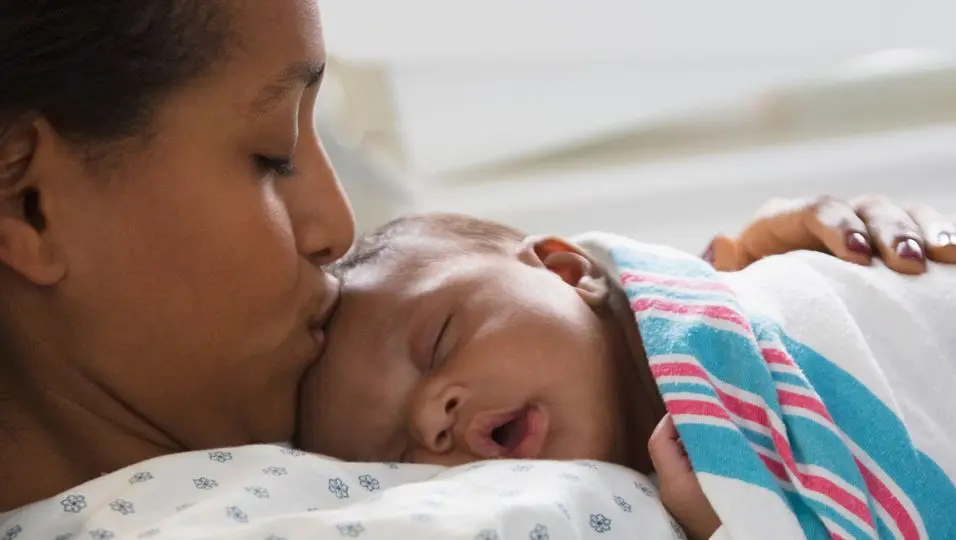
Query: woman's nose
[
  {"x": 321, "y": 216},
  {"x": 434, "y": 421}
]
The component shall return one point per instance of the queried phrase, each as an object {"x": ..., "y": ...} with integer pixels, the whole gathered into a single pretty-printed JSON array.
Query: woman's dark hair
[{"x": 95, "y": 69}]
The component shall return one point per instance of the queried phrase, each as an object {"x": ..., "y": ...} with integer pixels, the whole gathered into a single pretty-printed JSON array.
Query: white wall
[
  {"x": 416, "y": 31},
  {"x": 469, "y": 82},
  {"x": 466, "y": 83},
  {"x": 683, "y": 203}
]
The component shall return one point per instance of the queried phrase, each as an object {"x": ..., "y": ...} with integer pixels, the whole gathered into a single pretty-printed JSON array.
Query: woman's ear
[
  {"x": 23, "y": 245},
  {"x": 568, "y": 262}
]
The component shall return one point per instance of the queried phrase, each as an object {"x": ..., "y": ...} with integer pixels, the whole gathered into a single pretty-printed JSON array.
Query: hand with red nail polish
[
  {"x": 909, "y": 248},
  {"x": 856, "y": 231},
  {"x": 856, "y": 242}
]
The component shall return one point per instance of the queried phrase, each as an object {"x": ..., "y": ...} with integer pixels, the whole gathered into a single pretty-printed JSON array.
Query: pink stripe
[
  {"x": 810, "y": 482},
  {"x": 701, "y": 408},
  {"x": 778, "y": 470},
  {"x": 804, "y": 402},
  {"x": 759, "y": 416},
  {"x": 821, "y": 485},
  {"x": 776, "y": 356},
  {"x": 791, "y": 399},
  {"x": 678, "y": 369},
  {"x": 775, "y": 467},
  {"x": 743, "y": 409},
  {"x": 714, "y": 312},
  {"x": 885, "y": 498},
  {"x": 747, "y": 411},
  {"x": 696, "y": 285},
  {"x": 878, "y": 490}
]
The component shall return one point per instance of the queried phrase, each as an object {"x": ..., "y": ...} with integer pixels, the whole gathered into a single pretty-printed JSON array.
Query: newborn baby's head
[{"x": 458, "y": 340}]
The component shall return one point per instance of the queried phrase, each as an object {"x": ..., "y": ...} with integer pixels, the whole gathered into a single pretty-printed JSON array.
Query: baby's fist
[{"x": 680, "y": 491}]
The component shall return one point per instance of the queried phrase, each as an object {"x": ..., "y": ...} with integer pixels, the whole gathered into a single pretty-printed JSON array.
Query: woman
[{"x": 167, "y": 211}]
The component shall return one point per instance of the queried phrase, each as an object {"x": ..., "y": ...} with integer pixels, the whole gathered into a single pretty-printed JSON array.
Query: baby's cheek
[{"x": 585, "y": 439}]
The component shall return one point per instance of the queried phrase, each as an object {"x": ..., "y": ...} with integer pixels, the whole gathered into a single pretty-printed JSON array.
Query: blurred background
[{"x": 666, "y": 120}]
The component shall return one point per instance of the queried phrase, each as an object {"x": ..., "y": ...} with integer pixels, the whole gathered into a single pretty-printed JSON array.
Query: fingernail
[
  {"x": 909, "y": 249},
  {"x": 708, "y": 255},
  {"x": 945, "y": 239},
  {"x": 856, "y": 242}
]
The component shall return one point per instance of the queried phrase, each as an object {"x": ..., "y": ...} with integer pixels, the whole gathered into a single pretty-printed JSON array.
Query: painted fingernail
[
  {"x": 856, "y": 242},
  {"x": 708, "y": 255},
  {"x": 909, "y": 249},
  {"x": 945, "y": 239}
]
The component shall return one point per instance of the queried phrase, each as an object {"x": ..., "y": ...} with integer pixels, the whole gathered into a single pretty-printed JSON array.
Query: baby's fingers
[{"x": 667, "y": 452}]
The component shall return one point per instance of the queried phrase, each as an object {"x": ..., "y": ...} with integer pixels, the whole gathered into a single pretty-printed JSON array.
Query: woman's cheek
[
  {"x": 278, "y": 214},
  {"x": 276, "y": 255}
]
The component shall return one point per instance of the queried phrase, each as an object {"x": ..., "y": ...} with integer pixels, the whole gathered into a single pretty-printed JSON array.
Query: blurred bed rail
[{"x": 894, "y": 90}]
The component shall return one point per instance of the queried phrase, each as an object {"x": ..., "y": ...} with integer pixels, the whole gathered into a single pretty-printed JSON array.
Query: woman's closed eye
[{"x": 282, "y": 167}]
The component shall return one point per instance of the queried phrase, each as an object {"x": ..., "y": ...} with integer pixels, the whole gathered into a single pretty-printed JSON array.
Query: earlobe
[
  {"x": 23, "y": 249},
  {"x": 571, "y": 264}
]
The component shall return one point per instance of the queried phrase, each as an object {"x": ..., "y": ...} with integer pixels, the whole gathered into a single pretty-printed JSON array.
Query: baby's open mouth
[
  {"x": 510, "y": 434},
  {"x": 516, "y": 434}
]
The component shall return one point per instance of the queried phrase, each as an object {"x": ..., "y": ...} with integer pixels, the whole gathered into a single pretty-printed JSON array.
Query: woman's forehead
[
  {"x": 277, "y": 23},
  {"x": 276, "y": 46}
]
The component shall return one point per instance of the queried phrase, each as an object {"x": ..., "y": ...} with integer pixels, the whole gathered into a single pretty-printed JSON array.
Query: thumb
[
  {"x": 667, "y": 452},
  {"x": 728, "y": 254}
]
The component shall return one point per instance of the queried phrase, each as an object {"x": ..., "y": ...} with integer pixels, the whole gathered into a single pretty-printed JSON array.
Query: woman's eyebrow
[{"x": 307, "y": 73}]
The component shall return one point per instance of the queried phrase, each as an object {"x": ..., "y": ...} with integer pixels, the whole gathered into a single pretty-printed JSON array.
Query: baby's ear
[{"x": 570, "y": 263}]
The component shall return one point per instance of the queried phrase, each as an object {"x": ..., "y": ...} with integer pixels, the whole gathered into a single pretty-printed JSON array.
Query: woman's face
[{"x": 194, "y": 262}]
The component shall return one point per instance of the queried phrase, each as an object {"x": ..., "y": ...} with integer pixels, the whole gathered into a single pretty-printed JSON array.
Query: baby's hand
[{"x": 680, "y": 490}]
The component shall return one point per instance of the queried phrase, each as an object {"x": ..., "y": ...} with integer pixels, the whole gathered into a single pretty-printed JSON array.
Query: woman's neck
[{"x": 57, "y": 421}]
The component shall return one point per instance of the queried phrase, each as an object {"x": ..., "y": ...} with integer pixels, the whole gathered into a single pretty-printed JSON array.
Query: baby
[{"x": 459, "y": 340}]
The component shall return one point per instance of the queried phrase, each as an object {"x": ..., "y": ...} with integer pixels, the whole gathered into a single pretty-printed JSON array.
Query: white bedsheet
[{"x": 270, "y": 493}]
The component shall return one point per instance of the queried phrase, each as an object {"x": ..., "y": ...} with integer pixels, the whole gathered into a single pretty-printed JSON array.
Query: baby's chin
[{"x": 580, "y": 448}]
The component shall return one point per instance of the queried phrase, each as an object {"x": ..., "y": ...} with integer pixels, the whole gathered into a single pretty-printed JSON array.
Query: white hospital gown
[{"x": 272, "y": 493}]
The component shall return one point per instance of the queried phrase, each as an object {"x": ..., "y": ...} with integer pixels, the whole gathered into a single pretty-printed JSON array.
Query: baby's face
[{"x": 467, "y": 358}]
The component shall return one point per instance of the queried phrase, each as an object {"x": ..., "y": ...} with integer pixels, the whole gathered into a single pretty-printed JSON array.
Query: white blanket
[{"x": 272, "y": 493}]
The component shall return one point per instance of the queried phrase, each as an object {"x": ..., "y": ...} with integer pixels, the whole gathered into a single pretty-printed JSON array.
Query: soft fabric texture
[
  {"x": 814, "y": 397},
  {"x": 273, "y": 493}
]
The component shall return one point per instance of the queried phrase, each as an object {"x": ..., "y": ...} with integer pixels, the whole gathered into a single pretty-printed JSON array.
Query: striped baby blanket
[{"x": 815, "y": 398}]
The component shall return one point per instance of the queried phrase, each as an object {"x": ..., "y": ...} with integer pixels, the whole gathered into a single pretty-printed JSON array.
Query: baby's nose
[{"x": 434, "y": 421}]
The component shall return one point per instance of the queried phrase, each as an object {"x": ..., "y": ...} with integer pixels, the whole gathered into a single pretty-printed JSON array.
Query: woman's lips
[
  {"x": 321, "y": 318},
  {"x": 516, "y": 434}
]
